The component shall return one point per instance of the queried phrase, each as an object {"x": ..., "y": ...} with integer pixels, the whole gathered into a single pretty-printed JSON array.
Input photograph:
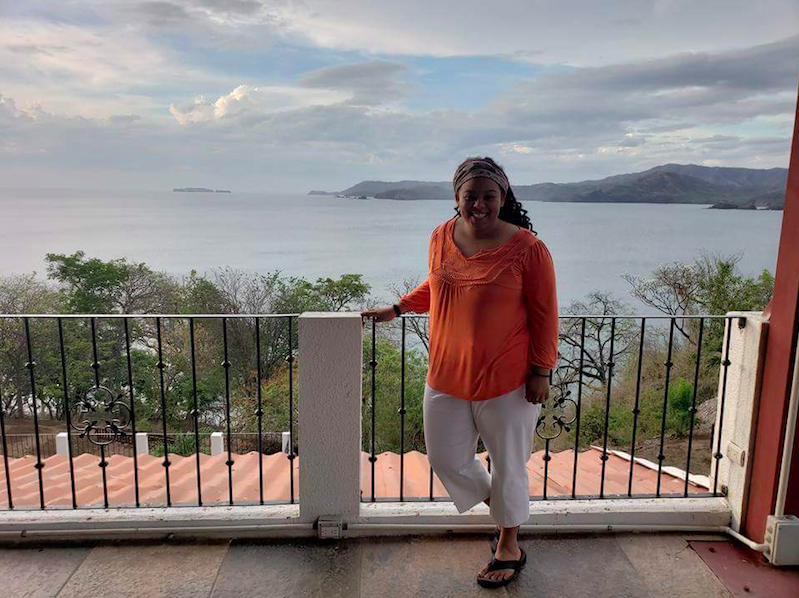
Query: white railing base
[{"x": 384, "y": 519}]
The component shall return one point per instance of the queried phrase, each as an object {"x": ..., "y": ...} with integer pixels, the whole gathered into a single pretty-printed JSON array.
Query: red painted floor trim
[{"x": 746, "y": 573}]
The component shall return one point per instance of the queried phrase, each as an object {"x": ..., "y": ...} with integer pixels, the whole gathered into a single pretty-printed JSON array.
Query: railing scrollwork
[{"x": 101, "y": 416}]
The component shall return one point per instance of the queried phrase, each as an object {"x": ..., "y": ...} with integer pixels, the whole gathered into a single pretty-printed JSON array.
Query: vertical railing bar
[
  {"x": 546, "y": 466},
  {"x": 668, "y": 365},
  {"x": 579, "y": 403},
  {"x": 726, "y": 364},
  {"x": 95, "y": 364},
  {"x": 96, "y": 367},
  {"x": 636, "y": 411},
  {"x": 291, "y": 410},
  {"x": 67, "y": 415},
  {"x": 546, "y": 458},
  {"x": 31, "y": 365},
  {"x": 226, "y": 366},
  {"x": 431, "y": 482},
  {"x": 693, "y": 404},
  {"x": 195, "y": 410},
  {"x": 402, "y": 417},
  {"x": 161, "y": 367},
  {"x": 4, "y": 438},
  {"x": 259, "y": 412},
  {"x": 372, "y": 457},
  {"x": 607, "y": 408},
  {"x": 132, "y": 412}
]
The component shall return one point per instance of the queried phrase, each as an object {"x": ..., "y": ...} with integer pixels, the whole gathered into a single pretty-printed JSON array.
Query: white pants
[{"x": 506, "y": 424}]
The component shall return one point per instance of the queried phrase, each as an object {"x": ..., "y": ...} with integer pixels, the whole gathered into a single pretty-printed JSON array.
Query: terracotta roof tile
[{"x": 276, "y": 487}]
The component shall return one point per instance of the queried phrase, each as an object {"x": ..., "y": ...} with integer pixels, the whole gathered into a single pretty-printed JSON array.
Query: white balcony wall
[
  {"x": 736, "y": 418},
  {"x": 331, "y": 350}
]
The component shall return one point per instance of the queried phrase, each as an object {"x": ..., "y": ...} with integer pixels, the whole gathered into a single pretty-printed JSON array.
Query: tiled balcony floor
[{"x": 442, "y": 566}]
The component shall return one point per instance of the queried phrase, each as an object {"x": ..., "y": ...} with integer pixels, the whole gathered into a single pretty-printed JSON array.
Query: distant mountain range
[{"x": 725, "y": 188}]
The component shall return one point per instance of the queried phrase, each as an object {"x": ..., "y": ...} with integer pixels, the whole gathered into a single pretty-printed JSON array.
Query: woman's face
[{"x": 479, "y": 201}]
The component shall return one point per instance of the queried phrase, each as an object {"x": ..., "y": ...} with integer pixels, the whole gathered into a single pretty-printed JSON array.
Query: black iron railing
[
  {"x": 562, "y": 413},
  {"x": 105, "y": 411},
  {"x": 102, "y": 402}
]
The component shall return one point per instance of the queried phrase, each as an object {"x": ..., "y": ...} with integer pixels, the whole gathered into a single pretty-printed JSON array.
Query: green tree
[{"x": 388, "y": 398}]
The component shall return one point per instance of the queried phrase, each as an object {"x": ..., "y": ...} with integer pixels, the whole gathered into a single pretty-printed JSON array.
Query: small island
[
  {"x": 199, "y": 190},
  {"x": 727, "y": 205}
]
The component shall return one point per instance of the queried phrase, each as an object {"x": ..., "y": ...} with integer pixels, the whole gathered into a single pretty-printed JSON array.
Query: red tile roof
[{"x": 276, "y": 486}]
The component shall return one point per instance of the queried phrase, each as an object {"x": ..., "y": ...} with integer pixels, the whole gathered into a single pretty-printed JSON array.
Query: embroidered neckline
[{"x": 450, "y": 232}]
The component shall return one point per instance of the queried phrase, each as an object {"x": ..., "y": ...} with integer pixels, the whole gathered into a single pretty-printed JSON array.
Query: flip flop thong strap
[{"x": 495, "y": 564}]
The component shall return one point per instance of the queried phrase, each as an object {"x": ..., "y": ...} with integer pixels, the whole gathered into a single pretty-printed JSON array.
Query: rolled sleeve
[
  {"x": 540, "y": 296},
  {"x": 418, "y": 300}
]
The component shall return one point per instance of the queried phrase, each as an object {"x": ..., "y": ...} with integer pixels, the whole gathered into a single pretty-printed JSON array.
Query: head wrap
[{"x": 472, "y": 168}]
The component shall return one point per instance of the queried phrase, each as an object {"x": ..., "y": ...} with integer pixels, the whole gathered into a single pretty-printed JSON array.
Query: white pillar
[
  {"x": 217, "y": 444},
  {"x": 741, "y": 397},
  {"x": 286, "y": 442},
  {"x": 142, "y": 444},
  {"x": 330, "y": 362},
  {"x": 62, "y": 444}
]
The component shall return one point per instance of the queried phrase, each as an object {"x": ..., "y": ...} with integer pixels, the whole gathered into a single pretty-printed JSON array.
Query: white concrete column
[
  {"x": 142, "y": 444},
  {"x": 741, "y": 396},
  {"x": 217, "y": 444},
  {"x": 62, "y": 444},
  {"x": 330, "y": 369}
]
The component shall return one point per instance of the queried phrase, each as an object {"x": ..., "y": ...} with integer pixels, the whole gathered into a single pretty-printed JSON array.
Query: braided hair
[{"x": 512, "y": 211}]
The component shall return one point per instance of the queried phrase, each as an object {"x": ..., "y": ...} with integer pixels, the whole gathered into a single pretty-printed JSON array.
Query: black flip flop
[{"x": 495, "y": 565}]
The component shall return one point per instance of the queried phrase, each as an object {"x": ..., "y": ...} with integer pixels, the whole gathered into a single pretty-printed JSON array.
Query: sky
[{"x": 292, "y": 95}]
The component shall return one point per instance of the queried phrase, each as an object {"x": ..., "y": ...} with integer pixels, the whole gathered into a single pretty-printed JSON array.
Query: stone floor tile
[
  {"x": 37, "y": 572},
  {"x": 287, "y": 569},
  {"x": 572, "y": 566},
  {"x": 147, "y": 570},
  {"x": 670, "y": 566},
  {"x": 441, "y": 566}
]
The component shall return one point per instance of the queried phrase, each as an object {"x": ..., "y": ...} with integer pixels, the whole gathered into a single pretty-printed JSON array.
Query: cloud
[
  {"x": 632, "y": 140},
  {"x": 219, "y": 20},
  {"x": 579, "y": 32},
  {"x": 93, "y": 71},
  {"x": 362, "y": 84},
  {"x": 580, "y": 104},
  {"x": 371, "y": 83},
  {"x": 163, "y": 13},
  {"x": 246, "y": 100},
  {"x": 29, "y": 49},
  {"x": 126, "y": 103},
  {"x": 244, "y": 7}
]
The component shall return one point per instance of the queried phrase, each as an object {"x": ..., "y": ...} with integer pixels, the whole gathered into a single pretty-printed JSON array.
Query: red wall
[{"x": 778, "y": 369}]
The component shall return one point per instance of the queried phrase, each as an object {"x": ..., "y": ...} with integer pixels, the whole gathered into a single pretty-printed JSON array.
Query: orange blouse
[{"x": 492, "y": 315}]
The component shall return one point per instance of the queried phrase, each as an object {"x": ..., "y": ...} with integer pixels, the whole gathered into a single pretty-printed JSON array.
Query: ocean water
[{"x": 386, "y": 241}]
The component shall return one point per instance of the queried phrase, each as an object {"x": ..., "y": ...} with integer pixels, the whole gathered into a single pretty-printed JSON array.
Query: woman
[{"x": 493, "y": 341}]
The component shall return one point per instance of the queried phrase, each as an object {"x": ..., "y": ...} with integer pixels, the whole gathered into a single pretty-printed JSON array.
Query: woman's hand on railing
[{"x": 380, "y": 314}]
